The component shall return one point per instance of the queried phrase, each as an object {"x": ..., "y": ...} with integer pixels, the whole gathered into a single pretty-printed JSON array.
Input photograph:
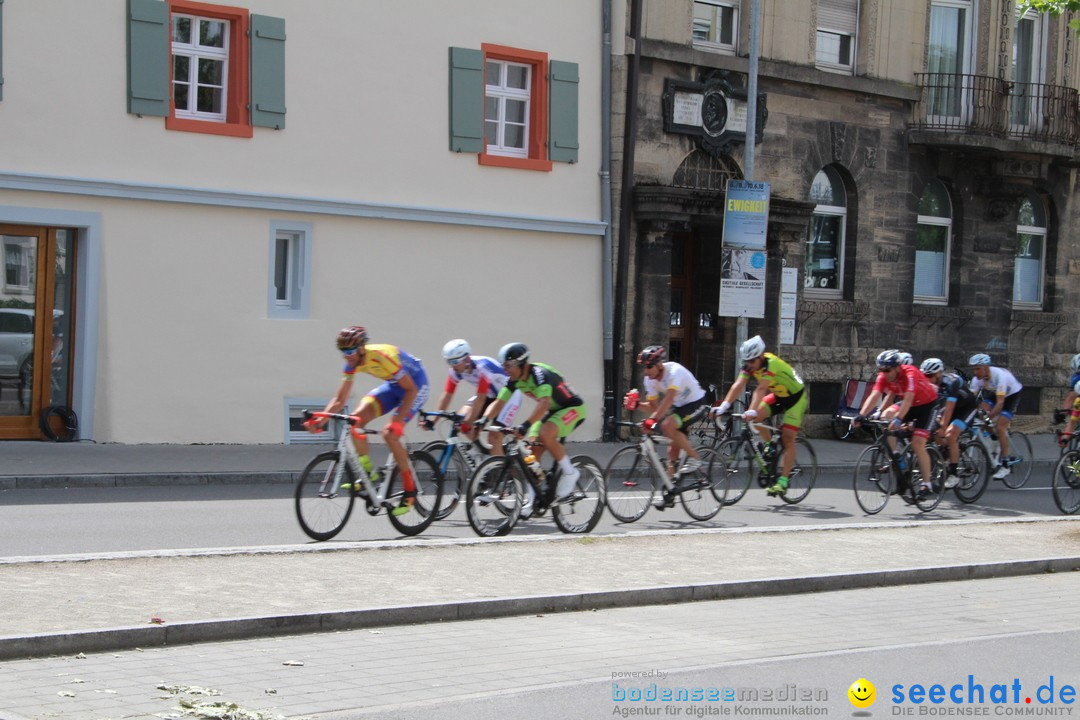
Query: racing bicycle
[
  {"x": 745, "y": 459},
  {"x": 457, "y": 458},
  {"x": 981, "y": 429},
  {"x": 880, "y": 473},
  {"x": 1066, "y": 482},
  {"x": 333, "y": 480}
]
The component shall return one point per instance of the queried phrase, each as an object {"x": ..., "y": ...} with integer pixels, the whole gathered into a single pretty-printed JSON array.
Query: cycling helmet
[
  {"x": 888, "y": 359},
  {"x": 455, "y": 351},
  {"x": 932, "y": 365},
  {"x": 1075, "y": 362},
  {"x": 979, "y": 359},
  {"x": 752, "y": 348},
  {"x": 513, "y": 354},
  {"x": 906, "y": 359},
  {"x": 1076, "y": 387},
  {"x": 351, "y": 337},
  {"x": 652, "y": 355}
]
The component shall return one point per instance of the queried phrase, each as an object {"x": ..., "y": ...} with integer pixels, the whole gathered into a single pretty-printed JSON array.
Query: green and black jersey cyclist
[
  {"x": 558, "y": 411},
  {"x": 779, "y": 390}
]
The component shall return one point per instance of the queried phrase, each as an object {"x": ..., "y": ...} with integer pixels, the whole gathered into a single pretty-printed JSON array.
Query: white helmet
[
  {"x": 932, "y": 365},
  {"x": 1075, "y": 362},
  {"x": 906, "y": 359},
  {"x": 752, "y": 348},
  {"x": 455, "y": 351},
  {"x": 1076, "y": 387},
  {"x": 979, "y": 359}
]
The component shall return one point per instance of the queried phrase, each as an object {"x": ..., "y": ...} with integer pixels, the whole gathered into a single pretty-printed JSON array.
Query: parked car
[{"x": 16, "y": 342}]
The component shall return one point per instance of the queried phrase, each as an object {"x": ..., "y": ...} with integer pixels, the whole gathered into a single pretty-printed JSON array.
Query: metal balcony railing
[{"x": 991, "y": 107}]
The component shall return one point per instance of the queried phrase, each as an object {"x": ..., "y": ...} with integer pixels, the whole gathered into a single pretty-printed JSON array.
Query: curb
[{"x": 128, "y": 638}]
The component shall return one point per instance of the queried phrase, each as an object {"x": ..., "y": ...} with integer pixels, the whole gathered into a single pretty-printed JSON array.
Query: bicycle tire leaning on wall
[{"x": 67, "y": 417}]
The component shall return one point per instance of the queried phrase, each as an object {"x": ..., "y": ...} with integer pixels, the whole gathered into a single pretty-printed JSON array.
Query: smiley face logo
[{"x": 862, "y": 693}]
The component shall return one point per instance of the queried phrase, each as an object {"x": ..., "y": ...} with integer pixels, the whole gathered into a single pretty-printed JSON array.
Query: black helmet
[
  {"x": 513, "y": 354},
  {"x": 652, "y": 355}
]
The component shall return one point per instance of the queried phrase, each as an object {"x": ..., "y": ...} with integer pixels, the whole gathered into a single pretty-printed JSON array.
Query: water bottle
[
  {"x": 632, "y": 398},
  {"x": 534, "y": 465}
]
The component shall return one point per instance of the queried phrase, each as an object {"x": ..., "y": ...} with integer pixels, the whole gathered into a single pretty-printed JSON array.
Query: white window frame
[
  {"x": 942, "y": 299},
  {"x": 194, "y": 51},
  {"x": 503, "y": 93},
  {"x": 297, "y": 260},
  {"x": 1034, "y": 115},
  {"x": 1032, "y": 304},
  {"x": 838, "y": 291},
  {"x": 851, "y": 33},
  {"x": 731, "y": 48},
  {"x": 965, "y": 60}
]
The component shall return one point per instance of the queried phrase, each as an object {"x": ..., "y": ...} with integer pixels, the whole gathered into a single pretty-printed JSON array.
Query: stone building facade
[{"x": 921, "y": 169}]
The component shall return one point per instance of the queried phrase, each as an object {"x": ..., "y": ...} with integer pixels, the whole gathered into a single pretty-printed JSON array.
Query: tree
[{"x": 1054, "y": 7}]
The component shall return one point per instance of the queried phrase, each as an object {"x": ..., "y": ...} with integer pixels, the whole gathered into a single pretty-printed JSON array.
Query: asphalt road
[{"x": 95, "y": 520}]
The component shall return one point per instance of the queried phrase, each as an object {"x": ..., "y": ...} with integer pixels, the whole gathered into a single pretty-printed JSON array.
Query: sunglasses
[
  {"x": 350, "y": 352},
  {"x": 455, "y": 361}
]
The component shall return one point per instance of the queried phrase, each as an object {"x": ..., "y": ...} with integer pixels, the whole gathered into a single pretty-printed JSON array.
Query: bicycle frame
[
  {"x": 347, "y": 451},
  {"x": 455, "y": 441},
  {"x": 648, "y": 442}
]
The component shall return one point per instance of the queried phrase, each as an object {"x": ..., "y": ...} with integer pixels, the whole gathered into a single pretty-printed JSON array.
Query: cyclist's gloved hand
[
  {"x": 649, "y": 424},
  {"x": 313, "y": 426},
  {"x": 749, "y": 414},
  {"x": 1063, "y": 438},
  {"x": 480, "y": 423},
  {"x": 722, "y": 409},
  {"x": 523, "y": 429},
  {"x": 426, "y": 423},
  {"x": 894, "y": 423},
  {"x": 465, "y": 427}
]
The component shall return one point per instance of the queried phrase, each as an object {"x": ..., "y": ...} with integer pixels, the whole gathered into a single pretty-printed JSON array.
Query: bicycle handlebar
[
  {"x": 456, "y": 417},
  {"x": 310, "y": 416}
]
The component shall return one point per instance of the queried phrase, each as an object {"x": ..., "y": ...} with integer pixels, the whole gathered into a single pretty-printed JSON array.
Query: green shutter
[
  {"x": 466, "y": 100},
  {"x": 267, "y": 71},
  {"x": 148, "y": 57},
  {"x": 1, "y": 49},
  {"x": 563, "y": 111}
]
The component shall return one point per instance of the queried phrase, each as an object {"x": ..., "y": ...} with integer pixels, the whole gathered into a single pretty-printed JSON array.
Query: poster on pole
[
  {"x": 742, "y": 283},
  {"x": 746, "y": 214}
]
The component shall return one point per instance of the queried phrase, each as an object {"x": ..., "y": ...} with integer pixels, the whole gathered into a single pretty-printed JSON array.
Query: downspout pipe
[
  {"x": 605, "y": 198},
  {"x": 626, "y": 194}
]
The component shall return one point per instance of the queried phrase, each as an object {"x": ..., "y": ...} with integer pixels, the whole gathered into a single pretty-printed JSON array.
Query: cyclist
[
  {"x": 918, "y": 396},
  {"x": 559, "y": 410},
  {"x": 676, "y": 400},
  {"x": 779, "y": 390},
  {"x": 956, "y": 403},
  {"x": 1069, "y": 403},
  {"x": 1074, "y": 417},
  {"x": 484, "y": 373},
  {"x": 1006, "y": 388},
  {"x": 403, "y": 392}
]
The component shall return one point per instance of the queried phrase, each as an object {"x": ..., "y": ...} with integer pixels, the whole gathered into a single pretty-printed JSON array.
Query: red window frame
[
  {"x": 237, "y": 118},
  {"x": 538, "y": 113}
]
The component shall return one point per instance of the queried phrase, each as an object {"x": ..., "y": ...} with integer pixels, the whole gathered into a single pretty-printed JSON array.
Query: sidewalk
[{"x": 39, "y": 464}]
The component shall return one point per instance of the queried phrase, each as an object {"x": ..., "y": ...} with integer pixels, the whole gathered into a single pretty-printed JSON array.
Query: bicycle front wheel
[
  {"x": 740, "y": 467},
  {"x": 873, "y": 479},
  {"x": 455, "y": 475},
  {"x": 803, "y": 474},
  {"x": 1019, "y": 446},
  {"x": 494, "y": 497},
  {"x": 581, "y": 514},
  {"x": 321, "y": 508},
  {"x": 428, "y": 481},
  {"x": 1066, "y": 483},
  {"x": 973, "y": 472},
  {"x": 630, "y": 481},
  {"x": 704, "y": 491}
]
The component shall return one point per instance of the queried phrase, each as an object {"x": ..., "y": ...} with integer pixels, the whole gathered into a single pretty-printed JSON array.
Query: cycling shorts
[
  {"x": 566, "y": 420},
  {"x": 793, "y": 407},
  {"x": 686, "y": 415},
  {"x": 388, "y": 396},
  {"x": 1012, "y": 402},
  {"x": 962, "y": 412},
  {"x": 921, "y": 417}
]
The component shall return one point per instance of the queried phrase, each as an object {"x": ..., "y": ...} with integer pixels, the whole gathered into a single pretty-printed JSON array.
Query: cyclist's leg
[
  {"x": 793, "y": 419},
  {"x": 921, "y": 416},
  {"x": 394, "y": 398},
  {"x": 556, "y": 427},
  {"x": 370, "y": 408},
  {"x": 675, "y": 427}
]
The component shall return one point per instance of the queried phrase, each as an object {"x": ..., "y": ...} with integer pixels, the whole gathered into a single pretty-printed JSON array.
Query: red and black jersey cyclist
[
  {"x": 917, "y": 400},
  {"x": 559, "y": 410},
  {"x": 403, "y": 392}
]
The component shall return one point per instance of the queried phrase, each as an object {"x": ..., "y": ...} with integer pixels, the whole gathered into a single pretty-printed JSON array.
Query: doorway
[{"x": 37, "y": 284}]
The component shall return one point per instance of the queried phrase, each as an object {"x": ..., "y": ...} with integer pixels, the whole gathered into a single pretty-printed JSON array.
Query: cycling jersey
[
  {"x": 781, "y": 378},
  {"x": 543, "y": 381},
  {"x": 953, "y": 389},
  {"x": 486, "y": 374},
  {"x": 1000, "y": 382},
  {"x": 909, "y": 380},
  {"x": 678, "y": 378},
  {"x": 389, "y": 363}
]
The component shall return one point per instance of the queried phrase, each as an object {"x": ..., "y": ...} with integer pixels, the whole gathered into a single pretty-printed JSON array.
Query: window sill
[
  {"x": 836, "y": 69},
  {"x": 711, "y": 48},
  {"x": 209, "y": 128},
  {"x": 513, "y": 162},
  {"x": 822, "y": 294},
  {"x": 930, "y": 301}
]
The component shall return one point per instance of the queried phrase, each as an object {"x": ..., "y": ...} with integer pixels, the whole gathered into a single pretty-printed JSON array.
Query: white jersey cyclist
[
  {"x": 1000, "y": 382},
  {"x": 675, "y": 376},
  {"x": 486, "y": 374}
]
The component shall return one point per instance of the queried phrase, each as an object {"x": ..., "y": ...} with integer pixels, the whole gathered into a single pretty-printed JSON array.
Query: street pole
[{"x": 742, "y": 325}]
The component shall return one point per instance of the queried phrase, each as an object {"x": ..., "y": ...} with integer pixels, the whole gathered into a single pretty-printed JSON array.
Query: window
[
  {"x": 18, "y": 262},
  {"x": 838, "y": 22},
  {"x": 206, "y": 68},
  {"x": 1027, "y": 68},
  {"x": 290, "y": 270},
  {"x": 948, "y": 57},
  {"x": 716, "y": 25},
  {"x": 1030, "y": 266},
  {"x": 933, "y": 237},
  {"x": 513, "y": 108},
  {"x": 825, "y": 245}
]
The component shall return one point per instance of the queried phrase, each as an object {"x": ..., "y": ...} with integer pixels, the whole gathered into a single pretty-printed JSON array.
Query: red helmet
[
  {"x": 351, "y": 337},
  {"x": 652, "y": 355}
]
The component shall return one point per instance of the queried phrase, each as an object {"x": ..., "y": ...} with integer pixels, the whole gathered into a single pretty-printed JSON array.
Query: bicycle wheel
[
  {"x": 1019, "y": 446},
  {"x": 873, "y": 480},
  {"x": 323, "y": 512},
  {"x": 631, "y": 483},
  {"x": 428, "y": 481},
  {"x": 803, "y": 474},
  {"x": 973, "y": 471},
  {"x": 581, "y": 514},
  {"x": 927, "y": 496},
  {"x": 1066, "y": 483},
  {"x": 703, "y": 491},
  {"x": 494, "y": 497},
  {"x": 740, "y": 468},
  {"x": 841, "y": 428},
  {"x": 455, "y": 476}
]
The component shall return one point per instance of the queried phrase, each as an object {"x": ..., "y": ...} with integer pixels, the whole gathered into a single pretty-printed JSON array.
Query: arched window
[
  {"x": 1030, "y": 267},
  {"x": 825, "y": 245},
  {"x": 933, "y": 242}
]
